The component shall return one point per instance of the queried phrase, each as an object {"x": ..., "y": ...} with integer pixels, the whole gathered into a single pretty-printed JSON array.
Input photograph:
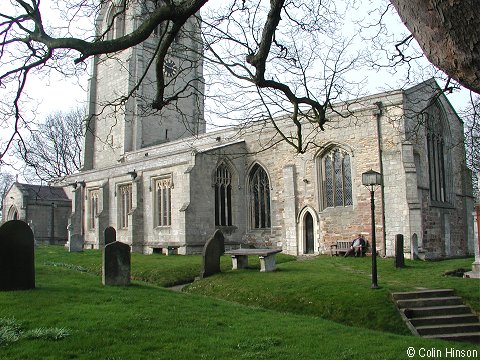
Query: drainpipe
[{"x": 379, "y": 112}]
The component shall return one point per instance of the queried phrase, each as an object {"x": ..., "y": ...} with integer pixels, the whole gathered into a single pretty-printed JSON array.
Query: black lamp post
[{"x": 371, "y": 179}]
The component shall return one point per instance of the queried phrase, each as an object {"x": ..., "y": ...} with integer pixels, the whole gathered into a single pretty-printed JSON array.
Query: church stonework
[{"x": 165, "y": 183}]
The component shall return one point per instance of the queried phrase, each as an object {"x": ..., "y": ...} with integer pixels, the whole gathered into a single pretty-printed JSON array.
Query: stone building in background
[
  {"x": 164, "y": 182},
  {"x": 46, "y": 209}
]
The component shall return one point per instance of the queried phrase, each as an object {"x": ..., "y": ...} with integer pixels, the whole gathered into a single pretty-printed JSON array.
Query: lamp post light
[{"x": 371, "y": 179}]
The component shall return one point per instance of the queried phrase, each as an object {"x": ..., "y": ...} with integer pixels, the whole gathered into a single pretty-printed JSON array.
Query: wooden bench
[
  {"x": 266, "y": 256},
  {"x": 342, "y": 246}
]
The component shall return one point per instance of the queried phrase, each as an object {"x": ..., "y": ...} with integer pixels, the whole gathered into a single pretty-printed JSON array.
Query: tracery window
[
  {"x": 259, "y": 189},
  {"x": 125, "y": 192},
  {"x": 163, "y": 202},
  {"x": 93, "y": 207},
  {"x": 115, "y": 24},
  {"x": 223, "y": 196},
  {"x": 436, "y": 153},
  {"x": 336, "y": 178}
]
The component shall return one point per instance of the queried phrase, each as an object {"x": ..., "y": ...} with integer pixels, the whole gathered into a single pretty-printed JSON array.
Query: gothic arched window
[
  {"x": 12, "y": 213},
  {"x": 259, "y": 189},
  {"x": 336, "y": 178},
  {"x": 115, "y": 24},
  {"x": 436, "y": 153},
  {"x": 223, "y": 196}
]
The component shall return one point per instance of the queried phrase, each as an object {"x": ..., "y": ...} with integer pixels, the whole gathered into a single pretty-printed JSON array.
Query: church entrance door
[{"x": 309, "y": 234}]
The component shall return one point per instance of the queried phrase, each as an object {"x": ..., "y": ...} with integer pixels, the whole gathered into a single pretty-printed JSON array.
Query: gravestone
[
  {"x": 17, "y": 257},
  {"x": 116, "y": 264},
  {"x": 212, "y": 251},
  {"x": 414, "y": 247},
  {"x": 399, "y": 256},
  {"x": 110, "y": 235},
  {"x": 75, "y": 244},
  {"x": 75, "y": 241}
]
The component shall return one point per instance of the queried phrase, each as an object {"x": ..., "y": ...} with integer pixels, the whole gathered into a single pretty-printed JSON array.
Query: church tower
[{"x": 122, "y": 88}]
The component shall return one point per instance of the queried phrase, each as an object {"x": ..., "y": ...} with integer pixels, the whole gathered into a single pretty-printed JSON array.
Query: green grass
[
  {"x": 155, "y": 269},
  {"x": 145, "y": 321},
  {"x": 339, "y": 288}
]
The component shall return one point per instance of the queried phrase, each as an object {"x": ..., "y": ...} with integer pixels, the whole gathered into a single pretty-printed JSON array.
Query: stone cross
[
  {"x": 116, "y": 264},
  {"x": 17, "y": 257},
  {"x": 212, "y": 251}
]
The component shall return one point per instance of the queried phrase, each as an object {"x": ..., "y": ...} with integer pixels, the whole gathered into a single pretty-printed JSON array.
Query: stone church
[{"x": 165, "y": 183}]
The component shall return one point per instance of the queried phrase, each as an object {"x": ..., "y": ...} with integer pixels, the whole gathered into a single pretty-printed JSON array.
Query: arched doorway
[{"x": 309, "y": 234}]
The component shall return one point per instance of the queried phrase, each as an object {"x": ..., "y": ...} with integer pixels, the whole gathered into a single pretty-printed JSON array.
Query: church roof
[{"x": 42, "y": 192}]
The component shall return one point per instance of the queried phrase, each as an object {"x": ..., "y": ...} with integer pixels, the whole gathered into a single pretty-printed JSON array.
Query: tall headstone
[
  {"x": 212, "y": 251},
  {"x": 110, "y": 235},
  {"x": 116, "y": 264},
  {"x": 399, "y": 255},
  {"x": 17, "y": 257},
  {"x": 414, "y": 247}
]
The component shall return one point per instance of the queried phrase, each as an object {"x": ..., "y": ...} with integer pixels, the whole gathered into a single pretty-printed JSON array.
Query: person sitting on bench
[{"x": 357, "y": 246}]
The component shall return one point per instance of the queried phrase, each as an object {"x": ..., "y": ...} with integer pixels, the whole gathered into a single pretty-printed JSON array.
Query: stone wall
[
  {"x": 444, "y": 225},
  {"x": 373, "y": 135}
]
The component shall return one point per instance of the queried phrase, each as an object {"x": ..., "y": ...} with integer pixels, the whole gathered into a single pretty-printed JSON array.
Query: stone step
[
  {"x": 438, "y": 314},
  {"x": 445, "y": 319},
  {"x": 467, "y": 337},
  {"x": 448, "y": 329},
  {"x": 411, "y": 313},
  {"x": 423, "y": 294},
  {"x": 429, "y": 302}
]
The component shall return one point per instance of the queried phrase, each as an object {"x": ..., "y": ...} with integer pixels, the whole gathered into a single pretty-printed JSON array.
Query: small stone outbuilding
[{"x": 45, "y": 209}]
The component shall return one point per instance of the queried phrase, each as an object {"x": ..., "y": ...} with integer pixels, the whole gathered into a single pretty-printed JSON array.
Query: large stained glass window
[
  {"x": 259, "y": 188},
  {"x": 336, "y": 178}
]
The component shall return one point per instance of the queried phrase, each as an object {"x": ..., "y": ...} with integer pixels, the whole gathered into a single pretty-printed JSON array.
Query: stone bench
[
  {"x": 266, "y": 256},
  {"x": 166, "y": 248},
  {"x": 342, "y": 246}
]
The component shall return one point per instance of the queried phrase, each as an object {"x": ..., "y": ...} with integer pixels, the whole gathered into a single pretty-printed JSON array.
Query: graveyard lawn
[{"x": 145, "y": 321}]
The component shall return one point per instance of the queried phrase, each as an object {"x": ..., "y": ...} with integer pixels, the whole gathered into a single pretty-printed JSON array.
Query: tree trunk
[{"x": 448, "y": 31}]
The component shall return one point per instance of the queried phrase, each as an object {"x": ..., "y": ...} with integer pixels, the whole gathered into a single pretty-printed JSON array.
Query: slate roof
[{"x": 43, "y": 192}]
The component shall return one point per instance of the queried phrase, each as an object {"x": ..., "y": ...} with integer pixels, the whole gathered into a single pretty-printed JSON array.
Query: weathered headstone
[
  {"x": 414, "y": 247},
  {"x": 399, "y": 255},
  {"x": 75, "y": 244},
  {"x": 110, "y": 235},
  {"x": 75, "y": 241},
  {"x": 212, "y": 251},
  {"x": 116, "y": 264},
  {"x": 17, "y": 257}
]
